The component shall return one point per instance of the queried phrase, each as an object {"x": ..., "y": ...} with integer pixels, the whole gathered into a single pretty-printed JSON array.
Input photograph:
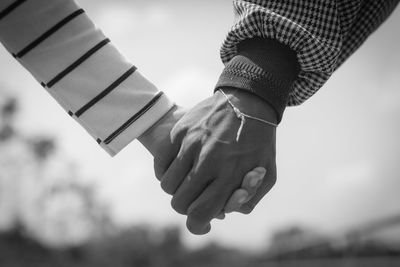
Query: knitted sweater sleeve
[{"x": 284, "y": 51}]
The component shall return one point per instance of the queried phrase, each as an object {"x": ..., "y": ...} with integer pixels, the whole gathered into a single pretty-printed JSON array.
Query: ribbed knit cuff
[{"x": 264, "y": 67}]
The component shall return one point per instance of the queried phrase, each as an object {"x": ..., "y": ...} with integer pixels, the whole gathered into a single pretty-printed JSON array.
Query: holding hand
[{"x": 205, "y": 164}]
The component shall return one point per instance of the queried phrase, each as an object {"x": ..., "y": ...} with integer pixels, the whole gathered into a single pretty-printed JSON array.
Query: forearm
[
  {"x": 265, "y": 68},
  {"x": 58, "y": 43},
  {"x": 320, "y": 34},
  {"x": 157, "y": 138}
]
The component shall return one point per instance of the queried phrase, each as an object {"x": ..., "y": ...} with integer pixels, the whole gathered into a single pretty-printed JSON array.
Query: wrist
[
  {"x": 155, "y": 136},
  {"x": 263, "y": 67},
  {"x": 249, "y": 103}
]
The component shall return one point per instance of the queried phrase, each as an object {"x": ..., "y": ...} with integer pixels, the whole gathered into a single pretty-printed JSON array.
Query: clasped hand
[{"x": 200, "y": 162}]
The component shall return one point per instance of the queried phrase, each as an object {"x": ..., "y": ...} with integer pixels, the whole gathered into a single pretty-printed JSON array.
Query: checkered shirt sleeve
[{"x": 322, "y": 33}]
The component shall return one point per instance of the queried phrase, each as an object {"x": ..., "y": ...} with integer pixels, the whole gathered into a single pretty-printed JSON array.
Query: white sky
[{"x": 338, "y": 153}]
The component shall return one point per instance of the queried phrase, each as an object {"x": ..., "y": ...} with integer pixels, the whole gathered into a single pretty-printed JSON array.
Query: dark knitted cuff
[{"x": 264, "y": 67}]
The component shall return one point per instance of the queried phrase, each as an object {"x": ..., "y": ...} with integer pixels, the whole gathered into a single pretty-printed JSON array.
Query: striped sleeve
[{"x": 81, "y": 69}]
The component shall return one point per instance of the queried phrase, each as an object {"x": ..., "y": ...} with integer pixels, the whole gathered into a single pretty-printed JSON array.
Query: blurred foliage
[
  {"x": 41, "y": 192},
  {"x": 49, "y": 217},
  {"x": 139, "y": 246},
  {"x": 144, "y": 246}
]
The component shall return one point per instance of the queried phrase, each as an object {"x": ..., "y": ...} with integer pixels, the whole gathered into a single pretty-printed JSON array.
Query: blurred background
[{"x": 65, "y": 202}]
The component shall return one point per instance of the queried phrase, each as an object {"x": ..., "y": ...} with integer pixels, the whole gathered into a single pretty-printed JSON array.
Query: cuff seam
[
  {"x": 273, "y": 90},
  {"x": 256, "y": 74}
]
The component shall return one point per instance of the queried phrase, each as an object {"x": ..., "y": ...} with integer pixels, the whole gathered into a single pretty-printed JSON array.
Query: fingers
[
  {"x": 160, "y": 167},
  {"x": 176, "y": 173},
  {"x": 238, "y": 198},
  {"x": 189, "y": 190},
  {"x": 220, "y": 216},
  {"x": 207, "y": 206},
  {"x": 251, "y": 182},
  {"x": 268, "y": 182}
]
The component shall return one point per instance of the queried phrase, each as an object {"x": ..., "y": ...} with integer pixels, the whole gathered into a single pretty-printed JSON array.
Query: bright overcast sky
[{"x": 337, "y": 154}]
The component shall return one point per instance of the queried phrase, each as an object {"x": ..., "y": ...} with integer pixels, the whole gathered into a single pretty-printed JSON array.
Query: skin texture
[
  {"x": 203, "y": 166},
  {"x": 157, "y": 141}
]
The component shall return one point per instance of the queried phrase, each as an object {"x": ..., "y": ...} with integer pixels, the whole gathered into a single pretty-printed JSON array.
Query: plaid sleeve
[{"x": 323, "y": 34}]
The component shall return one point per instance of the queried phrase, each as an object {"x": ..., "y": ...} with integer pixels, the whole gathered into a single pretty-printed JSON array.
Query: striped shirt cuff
[
  {"x": 80, "y": 68},
  {"x": 137, "y": 124}
]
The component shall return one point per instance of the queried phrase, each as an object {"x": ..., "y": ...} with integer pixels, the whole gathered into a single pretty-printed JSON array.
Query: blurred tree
[
  {"x": 298, "y": 242},
  {"x": 41, "y": 192},
  {"x": 49, "y": 217}
]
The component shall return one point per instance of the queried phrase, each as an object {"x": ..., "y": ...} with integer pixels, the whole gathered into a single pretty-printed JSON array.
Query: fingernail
[
  {"x": 221, "y": 216},
  {"x": 256, "y": 181},
  {"x": 242, "y": 200},
  {"x": 261, "y": 171}
]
